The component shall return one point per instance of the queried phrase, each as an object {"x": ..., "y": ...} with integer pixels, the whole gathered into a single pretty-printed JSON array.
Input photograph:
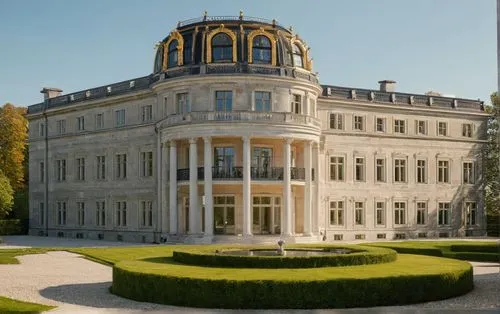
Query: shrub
[
  {"x": 360, "y": 256},
  {"x": 177, "y": 287},
  {"x": 474, "y": 256},
  {"x": 474, "y": 247},
  {"x": 430, "y": 251},
  {"x": 13, "y": 227}
]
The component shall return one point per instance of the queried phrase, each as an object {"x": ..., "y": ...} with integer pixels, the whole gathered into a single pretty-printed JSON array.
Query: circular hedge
[
  {"x": 361, "y": 255},
  {"x": 409, "y": 279}
]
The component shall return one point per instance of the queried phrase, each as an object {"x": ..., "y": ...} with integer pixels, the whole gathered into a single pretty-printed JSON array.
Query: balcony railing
[
  {"x": 236, "y": 173},
  {"x": 245, "y": 116}
]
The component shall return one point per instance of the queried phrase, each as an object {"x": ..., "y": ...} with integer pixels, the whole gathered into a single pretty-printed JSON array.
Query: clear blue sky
[{"x": 445, "y": 45}]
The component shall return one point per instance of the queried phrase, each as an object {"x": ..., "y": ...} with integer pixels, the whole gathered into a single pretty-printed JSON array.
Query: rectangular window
[
  {"x": 100, "y": 215},
  {"x": 337, "y": 168},
  {"x": 223, "y": 101},
  {"x": 80, "y": 169},
  {"x": 467, "y": 130},
  {"x": 337, "y": 213},
  {"x": 443, "y": 171},
  {"x": 99, "y": 121},
  {"x": 421, "y": 171},
  {"x": 61, "y": 170},
  {"x": 41, "y": 215},
  {"x": 421, "y": 127},
  {"x": 41, "y": 129},
  {"x": 80, "y": 123},
  {"x": 296, "y": 104},
  {"x": 80, "y": 206},
  {"x": 121, "y": 213},
  {"x": 147, "y": 113},
  {"x": 42, "y": 171},
  {"x": 101, "y": 168},
  {"x": 421, "y": 213},
  {"x": 380, "y": 213},
  {"x": 468, "y": 173},
  {"x": 61, "y": 126},
  {"x": 147, "y": 164},
  {"x": 263, "y": 101},
  {"x": 471, "y": 212},
  {"x": 120, "y": 117},
  {"x": 444, "y": 209},
  {"x": 399, "y": 213},
  {"x": 399, "y": 126},
  {"x": 442, "y": 129},
  {"x": 61, "y": 213},
  {"x": 182, "y": 102},
  {"x": 380, "y": 125},
  {"x": 121, "y": 166},
  {"x": 165, "y": 106},
  {"x": 399, "y": 170},
  {"x": 380, "y": 170},
  {"x": 359, "y": 213},
  {"x": 336, "y": 121},
  {"x": 359, "y": 123},
  {"x": 359, "y": 171},
  {"x": 147, "y": 213}
]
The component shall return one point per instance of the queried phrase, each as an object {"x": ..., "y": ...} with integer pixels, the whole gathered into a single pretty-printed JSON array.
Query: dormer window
[
  {"x": 297, "y": 56},
  {"x": 222, "y": 48},
  {"x": 261, "y": 50},
  {"x": 172, "y": 54}
]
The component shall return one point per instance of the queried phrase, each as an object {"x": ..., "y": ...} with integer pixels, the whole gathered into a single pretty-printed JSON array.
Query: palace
[{"x": 232, "y": 138}]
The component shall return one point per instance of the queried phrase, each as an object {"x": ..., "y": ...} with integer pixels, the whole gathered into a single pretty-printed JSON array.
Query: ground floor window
[
  {"x": 61, "y": 213},
  {"x": 80, "y": 206},
  {"x": 41, "y": 208},
  {"x": 444, "y": 213},
  {"x": 421, "y": 213},
  {"x": 337, "y": 213},
  {"x": 399, "y": 213},
  {"x": 266, "y": 214},
  {"x": 471, "y": 212},
  {"x": 100, "y": 214},
  {"x": 224, "y": 214},
  {"x": 380, "y": 213},
  {"x": 121, "y": 213},
  {"x": 146, "y": 213},
  {"x": 359, "y": 212}
]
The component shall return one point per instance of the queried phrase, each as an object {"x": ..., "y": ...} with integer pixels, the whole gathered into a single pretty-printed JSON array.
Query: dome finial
[
  {"x": 241, "y": 14},
  {"x": 290, "y": 29},
  {"x": 205, "y": 14}
]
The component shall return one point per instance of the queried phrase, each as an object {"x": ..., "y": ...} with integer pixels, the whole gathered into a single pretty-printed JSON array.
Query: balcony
[
  {"x": 236, "y": 173},
  {"x": 245, "y": 116}
]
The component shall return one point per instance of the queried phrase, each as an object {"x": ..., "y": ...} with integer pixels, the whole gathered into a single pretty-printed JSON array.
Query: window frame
[
  {"x": 336, "y": 212},
  {"x": 341, "y": 177},
  {"x": 120, "y": 117},
  {"x": 424, "y": 209},
  {"x": 384, "y": 124},
  {"x": 404, "y": 173},
  {"x": 362, "y": 168},
  {"x": 439, "y": 129},
  {"x": 443, "y": 172},
  {"x": 446, "y": 222},
  {"x": 337, "y": 123},
  {"x": 362, "y": 122},
  {"x": 400, "y": 124},
  {"x": 359, "y": 212},
  {"x": 384, "y": 169},
  {"x": 425, "y": 171},
  {"x": 383, "y": 210},
  {"x": 471, "y": 177},
  {"x": 468, "y": 215},
  {"x": 224, "y": 100},
  {"x": 398, "y": 219},
  {"x": 467, "y": 132},
  {"x": 265, "y": 107}
]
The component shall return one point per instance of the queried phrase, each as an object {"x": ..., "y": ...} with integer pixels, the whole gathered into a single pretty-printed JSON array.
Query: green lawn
[
  {"x": 14, "y": 306},
  {"x": 8, "y": 256}
]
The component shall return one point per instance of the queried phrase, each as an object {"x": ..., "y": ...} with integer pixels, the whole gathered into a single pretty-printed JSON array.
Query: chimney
[
  {"x": 50, "y": 92},
  {"x": 387, "y": 86}
]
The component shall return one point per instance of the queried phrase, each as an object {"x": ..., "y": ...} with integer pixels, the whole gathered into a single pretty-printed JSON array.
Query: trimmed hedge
[
  {"x": 13, "y": 226},
  {"x": 202, "y": 287},
  {"x": 360, "y": 256},
  {"x": 483, "y": 248},
  {"x": 474, "y": 256},
  {"x": 429, "y": 251}
]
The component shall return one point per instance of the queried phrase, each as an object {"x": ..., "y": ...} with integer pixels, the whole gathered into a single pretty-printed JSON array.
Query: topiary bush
[
  {"x": 474, "y": 247},
  {"x": 13, "y": 227},
  {"x": 360, "y": 256}
]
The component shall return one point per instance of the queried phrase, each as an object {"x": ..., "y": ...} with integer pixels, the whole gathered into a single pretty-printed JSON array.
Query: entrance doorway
[
  {"x": 224, "y": 214},
  {"x": 266, "y": 215}
]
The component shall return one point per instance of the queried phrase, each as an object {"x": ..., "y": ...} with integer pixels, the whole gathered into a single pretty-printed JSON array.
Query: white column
[
  {"x": 163, "y": 183},
  {"x": 307, "y": 189},
  {"x": 193, "y": 188},
  {"x": 209, "y": 208},
  {"x": 173, "y": 188},
  {"x": 247, "y": 213},
  {"x": 317, "y": 196},
  {"x": 287, "y": 187}
]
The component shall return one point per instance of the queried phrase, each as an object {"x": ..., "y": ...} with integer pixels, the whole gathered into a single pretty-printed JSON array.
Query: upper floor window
[
  {"x": 222, "y": 48},
  {"x": 468, "y": 173},
  {"x": 336, "y": 121},
  {"x": 421, "y": 127},
  {"x": 61, "y": 126},
  {"x": 380, "y": 125},
  {"x": 120, "y": 117},
  {"x": 337, "y": 168},
  {"x": 467, "y": 130},
  {"x": 380, "y": 170},
  {"x": 80, "y": 123},
  {"x": 99, "y": 121},
  {"x": 80, "y": 169},
  {"x": 41, "y": 129},
  {"x": 61, "y": 170},
  {"x": 121, "y": 166},
  {"x": 297, "y": 56},
  {"x": 182, "y": 103},
  {"x": 42, "y": 171},
  {"x": 172, "y": 54},
  {"x": 359, "y": 123},
  {"x": 442, "y": 128},
  {"x": 261, "y": 49},
  {"x": 188, "y": 46},
  {"x": 263, "y": 101},
  {"x": 146, "y": 164},
  {"x": 296, "y": 104},
  {"x": 421, "y": 171},
  {"x": 147, "y": 113},
  {"x": 399, "y": 126},
  {"x": 223, "y": 101},
  {"x": 359, "y": 169},
  {"x": 101, "y": 167},
  {"x": 443, "y": 171},
  {"x": 399, "y": 170}
]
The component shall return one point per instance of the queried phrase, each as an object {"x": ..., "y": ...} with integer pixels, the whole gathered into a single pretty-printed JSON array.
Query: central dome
[{"x": 231, "y": 39}]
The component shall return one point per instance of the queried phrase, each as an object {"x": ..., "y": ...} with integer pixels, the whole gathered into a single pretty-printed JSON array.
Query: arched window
[
  {"x": 172, "y": 54},
  {"x": 297, "y": 56},
  {"x": 261, "y": 49},
  {"x": 222, "y": 48},
  {"x": 188, "y": 42}
]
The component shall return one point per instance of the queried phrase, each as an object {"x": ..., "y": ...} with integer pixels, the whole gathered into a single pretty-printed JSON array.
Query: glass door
[
  {"x": 262, "y": 161},
  {"x": 223, "y": 162},
  {"x": 224, "y": 215},
  {"x": 266, "y": 215}
]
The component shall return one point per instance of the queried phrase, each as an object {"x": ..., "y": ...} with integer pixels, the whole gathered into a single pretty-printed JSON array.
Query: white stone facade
[{"x": 246, "y": 156}]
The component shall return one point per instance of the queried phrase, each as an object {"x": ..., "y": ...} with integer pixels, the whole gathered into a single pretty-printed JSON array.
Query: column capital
[
  {"x": 193, "y": 140},
  {"x": 172, "y": 143},
  {"x": 288, "y": 140},
  {"x": 246, "y": 138},
  {"x": 207, "y": 139}
]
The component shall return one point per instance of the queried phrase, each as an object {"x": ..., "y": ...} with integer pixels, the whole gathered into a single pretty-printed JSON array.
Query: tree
[
  {"x": 492, "y": 159},
  {"x": 6, "y": 195},
  {"x": 13, "y": 135}
]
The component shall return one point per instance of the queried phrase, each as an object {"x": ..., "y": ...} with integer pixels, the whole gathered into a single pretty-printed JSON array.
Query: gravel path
[{"x": 77, "y": 285}]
